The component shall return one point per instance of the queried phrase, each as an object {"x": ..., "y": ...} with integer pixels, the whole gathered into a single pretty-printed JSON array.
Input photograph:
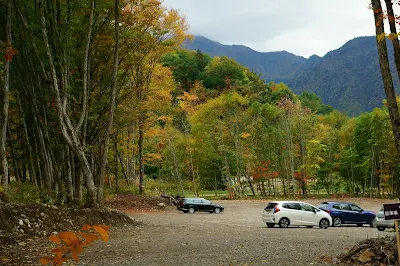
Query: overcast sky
[{"x": 302, "y": 27}]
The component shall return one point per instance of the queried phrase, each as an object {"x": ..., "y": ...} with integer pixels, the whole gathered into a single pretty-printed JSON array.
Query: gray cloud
[{"x": 302, "y": 27}]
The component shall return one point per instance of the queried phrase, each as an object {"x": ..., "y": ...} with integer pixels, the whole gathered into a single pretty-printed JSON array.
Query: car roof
[
  {"x": 196, "y": 198},
  {"x": 287, "y": 201},
  {"x": 337, "y": 202}
]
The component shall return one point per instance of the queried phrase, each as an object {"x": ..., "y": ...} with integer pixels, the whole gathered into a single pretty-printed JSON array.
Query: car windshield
[
  {"x": 271, "y": 205},
  {"x": 323, "y": 205}
]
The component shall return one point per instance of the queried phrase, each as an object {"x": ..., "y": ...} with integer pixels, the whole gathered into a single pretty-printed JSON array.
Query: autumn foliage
[
  {"x": 264, "y": 171},
  {"x": 71, "y": 244}
]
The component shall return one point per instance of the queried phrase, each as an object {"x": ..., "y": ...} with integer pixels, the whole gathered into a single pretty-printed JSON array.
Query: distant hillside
[
  {"x": 348, "y": 78},
  {"x": 276, "y": 66}
]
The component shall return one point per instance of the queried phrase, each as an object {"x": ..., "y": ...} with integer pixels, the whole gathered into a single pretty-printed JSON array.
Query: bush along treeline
[{"x": 98, "y": 95}]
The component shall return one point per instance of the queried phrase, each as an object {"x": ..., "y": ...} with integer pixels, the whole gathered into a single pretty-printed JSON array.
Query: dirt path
[{"x": 235, "y": 237}]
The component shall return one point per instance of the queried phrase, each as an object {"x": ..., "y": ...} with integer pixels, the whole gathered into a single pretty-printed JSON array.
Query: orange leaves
[
  {"x": 9, "y": 54},
  {"x": 9, "y": 51},
  {"x": 102, "y": 230},
  {"x": 71, "y": 244},
  {"x": 55, "y": 239}
]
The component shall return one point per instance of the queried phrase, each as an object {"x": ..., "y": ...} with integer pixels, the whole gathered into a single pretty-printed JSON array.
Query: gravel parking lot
[{"x": 235, "y": 237}]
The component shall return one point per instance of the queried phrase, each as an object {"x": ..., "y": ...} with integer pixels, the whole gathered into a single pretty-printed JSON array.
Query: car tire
[
  {"x": 371, "y": 223},
  {"x": 324, "y": 223},
  {"x": 185, "y": 211},
  {"x": 336, "y": 222},
  {"x": 217, "y": 210},
  {"x": 359, "y": 225},
  {"x": 270, "y": 225},
  {"x": 191, "y": 210},
  {"x": 381, "y": 228},
  {"x": 284, "y": 222},
  {"x": 309, "y": 226}
]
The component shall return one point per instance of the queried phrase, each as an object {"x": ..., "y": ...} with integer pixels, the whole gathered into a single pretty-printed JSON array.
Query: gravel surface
[{"x": 235, "y": 237}]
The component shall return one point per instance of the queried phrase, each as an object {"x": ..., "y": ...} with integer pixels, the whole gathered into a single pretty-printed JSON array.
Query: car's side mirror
[{"x": 361, "y": 210}]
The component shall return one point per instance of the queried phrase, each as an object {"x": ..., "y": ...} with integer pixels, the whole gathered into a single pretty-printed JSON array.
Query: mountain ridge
[{"x": 347, "y": 78}]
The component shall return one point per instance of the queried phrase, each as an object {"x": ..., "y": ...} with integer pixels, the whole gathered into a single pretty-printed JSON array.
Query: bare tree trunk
[
  {"x": 116, "y": 163},
  {"x": 187, "y": 132},
  {"x": 140, "y": 151},
  {"x": 176, "y": 170},
  {"x": 32, "y": 171},
  {"x": 386, "y": 74},
  {"x": 5, "y": 102},
  {"x": 68, "y": 176},
  {"x": 14, "y": 158},
  {"x": 67, "y": 130},
  {"x": 100, "y": 195}
]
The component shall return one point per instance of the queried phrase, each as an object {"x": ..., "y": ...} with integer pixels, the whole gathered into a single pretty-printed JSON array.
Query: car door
[
  {"x": 293, "y": 212},
  {"x": 308, "y": 215},
  {"x": 207, "y": 205},
  {"x": 349, "y": 216},
  {"x": 357, "y": 213},
  {"x": 199, "y": 205}
]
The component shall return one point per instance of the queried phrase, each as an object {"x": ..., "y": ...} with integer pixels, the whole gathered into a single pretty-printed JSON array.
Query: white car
[
  {"x": 285, "y": 213},
  {"x": 380, "y": 223}
]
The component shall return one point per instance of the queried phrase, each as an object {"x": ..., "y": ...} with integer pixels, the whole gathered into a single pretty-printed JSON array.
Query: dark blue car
[{"x": 347, "y": 213}]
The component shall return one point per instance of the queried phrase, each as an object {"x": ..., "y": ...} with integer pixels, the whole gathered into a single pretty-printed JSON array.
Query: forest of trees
[{"x": 99, "y": 94}]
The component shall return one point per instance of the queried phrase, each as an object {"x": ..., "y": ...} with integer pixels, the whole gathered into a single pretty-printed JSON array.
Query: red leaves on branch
[
  {"x": 9, "y": 53},
  {"x": 264, "y": 171}
]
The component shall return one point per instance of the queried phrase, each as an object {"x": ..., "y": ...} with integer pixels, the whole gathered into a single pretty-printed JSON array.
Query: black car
[{"x": 192, "y": 205}]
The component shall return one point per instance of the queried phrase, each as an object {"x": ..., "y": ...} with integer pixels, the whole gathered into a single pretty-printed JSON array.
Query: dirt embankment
[{"x": 24, "y": 229}]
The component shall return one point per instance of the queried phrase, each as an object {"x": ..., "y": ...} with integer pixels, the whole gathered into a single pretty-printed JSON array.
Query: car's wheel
[
  {"x": 270, "y": 225},
  {"x": 336, "y": 222},
  {"x": 185, "y": 211},
  {"x": 324, "y": 223},
  {"x": 371, "y": 223},
  {"x": 217, "y": 210},
  {"x": 284, "y": 222},
  {"x": 359, "y": 225},
  {"x": 381, "y": 228},
  {"x": 191, "y": 210},
  {"x": 310, "y": 226}
]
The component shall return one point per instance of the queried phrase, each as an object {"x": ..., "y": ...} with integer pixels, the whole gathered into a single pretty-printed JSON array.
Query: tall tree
[
  {"x": 385, "y": 69},
  {"x": 5, "y": 98},
  {"x": 153, "y": 31},
  {"x": 112, "y": 107}
]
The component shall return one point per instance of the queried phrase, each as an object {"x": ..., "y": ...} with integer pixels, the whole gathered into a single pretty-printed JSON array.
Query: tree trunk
[
  {"x": 68, "y": 176},
  {"x": 116, "y": 163},
  {"x": 100, "y": 195},
  {"x": 5, "y": 100},
  {"x": 140, "y": 151},
  {"x": 187, "y": 132},
  {"x": 67, "y": 129},
  {"x": 386, "y": 74},
  {"x": 32, "y": 171}
]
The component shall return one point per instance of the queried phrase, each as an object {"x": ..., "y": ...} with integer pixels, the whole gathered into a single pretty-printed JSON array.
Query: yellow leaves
[
  {"x": 244, "y": 135},
  {"x": 71, "y": 244},
  {"x": 152, "y": 157},
  {"x": 392, "y": 36},
  {"x": 381, "y": 36}
]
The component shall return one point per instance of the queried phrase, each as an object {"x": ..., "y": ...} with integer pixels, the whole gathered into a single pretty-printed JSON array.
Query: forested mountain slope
[
  {"x": 348, "y": 78},
  {"x": 276, "y": 66}
]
